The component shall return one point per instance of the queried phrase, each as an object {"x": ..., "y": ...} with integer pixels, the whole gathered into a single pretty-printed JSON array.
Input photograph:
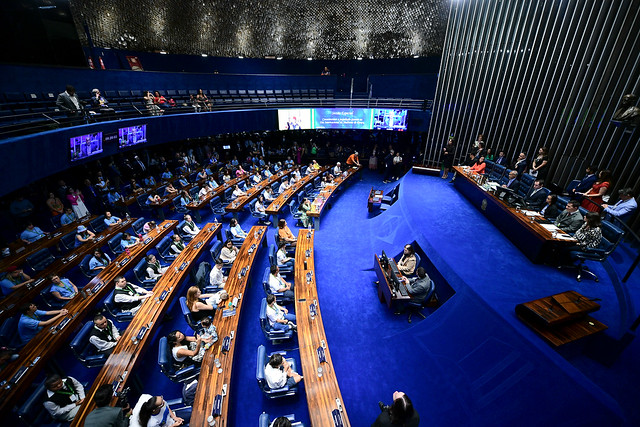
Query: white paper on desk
[
  {"x": 530, "y": 213},
  {"x": 550, "y": 227},
  {"x": 564, "y": 237}
]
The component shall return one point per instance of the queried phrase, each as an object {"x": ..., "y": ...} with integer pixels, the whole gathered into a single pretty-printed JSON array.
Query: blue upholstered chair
[
  {"x": 216, "y": 206},
  {"x": 562, "y": 203},
  {"x": 526, "y": 182},
  {"x": 188, "y": 316},
  {"x": 69, "y": 240},
  {"x": 142, "y": 202},
  {"x": 114, "y": 244},
  {"x": 261, "y": 361},
  {"x": 9, "y": 336},
  {"x": 51, "y": 301},
  {"x": 97, "y": 224},
  {"x": 114, "y": 311},
  {"x": 273, "y": 335},
  {"x": 263, "y": 218},
  {"x": 40, "y": 260},
  {"x": 489, "y": 167},
  {"x": 236, "y": 241},
  {"x": 84, "y": 351},
  {"x": 167, "y": 366},
  {"x": 273, "y": 260},
  {"x": 415, "y": 307},
  {"x": 265, "y": 421},
  {"x": 185, "y": 236},
  {"x": 280, "y": 298},
  {"x": 138, "y": 226},
  {"x": 497, "y": 173},
  {"x": 164, "y": 249},
  {"x": 611, "y": 236},
  {"x": 32, "y": 412},
  {"x": 85, "y": 269}
]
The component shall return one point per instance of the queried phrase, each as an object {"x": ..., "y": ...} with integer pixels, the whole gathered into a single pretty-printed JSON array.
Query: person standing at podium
[{"x": 407, "y": 264}]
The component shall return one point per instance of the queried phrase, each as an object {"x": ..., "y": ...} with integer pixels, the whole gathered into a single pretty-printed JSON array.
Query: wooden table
[
  {"x": 11, "y": 303},
  {"x": 283, "y": 199},
  {"x": 375, "y": 199},
  {"x": 196, "y": 205},
  {"x": 561, "y": 318},
  {"x": 386, "y": 293},
  {"x": 239, "y": 204},
  {"x": 20, "y": 250},
  {"x": 323, "y": 393},
  {"x": 131, "y": 347},
  {"x": 323, "y": 198},
  {"x": 47, "y": 342},
  {"x": 527, "y": 234},
  {"x": 211, "y": 381}
]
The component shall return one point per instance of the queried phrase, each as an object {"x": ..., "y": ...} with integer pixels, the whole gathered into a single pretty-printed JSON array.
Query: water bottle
[{"x": 128, "y": 216}]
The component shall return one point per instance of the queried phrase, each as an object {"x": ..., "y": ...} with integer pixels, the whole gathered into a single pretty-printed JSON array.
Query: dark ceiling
[{"x": 293, "y": 29}]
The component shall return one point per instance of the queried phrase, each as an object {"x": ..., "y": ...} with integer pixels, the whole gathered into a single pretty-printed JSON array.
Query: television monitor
[
  {"x": 132, "y": 135},
  {"x": 343, "y": 118},
  {"x": 389, "y": 119},
  {"x": 85, "y": 146},
  {"x": 294, "y": 119}
]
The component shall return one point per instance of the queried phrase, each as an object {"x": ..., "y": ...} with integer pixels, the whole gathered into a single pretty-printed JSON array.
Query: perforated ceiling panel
[{"x": 330, "y": 29}]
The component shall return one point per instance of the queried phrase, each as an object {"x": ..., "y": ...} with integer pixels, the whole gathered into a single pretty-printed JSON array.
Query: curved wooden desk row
[
  {"x": 136, "y": 338},
  {"x": 276, "y": 207},
  {"x": 321, "y": 201},
  {"x": 323, "y": 393},
  {"x": 239, "y": 204},
  {"x": 195, "y": 206},
  {"x": 11, "y": 304},
  {"x": 20, "y": 250},
  {"x": 531, "y": 237},
  {"x": 213, "y": 379},
  {"x": 33, "y": 356}
]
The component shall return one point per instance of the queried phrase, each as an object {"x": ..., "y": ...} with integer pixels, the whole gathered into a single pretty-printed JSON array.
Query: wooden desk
[
  {"x": 322, "y": 392},
  {"x": 11, "y": 303},
  {"x": 130, "y": 348},
  {"x": 20, "y": 250},
  {"x": 321, "y": 200},
  {"x": 561, "y": 318},
  {"x": 529, "y": 236},
  {"x": 387, "y": 294},
  {"x": 195, "y": 206},
  {"x": 239, "y": 204},
  {"x": 283, "y": 199},
  {"x": 375, "y": 199},
  {"x": 46, "y": 343},
  {"x": 210, "y": 381}
]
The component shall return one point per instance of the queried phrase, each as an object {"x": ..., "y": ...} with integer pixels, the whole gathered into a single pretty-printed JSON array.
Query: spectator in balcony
[
  {"x": 195, "y": 104},
  {"x": 153, "y": 109},
  {"x": 69, "y": 102},
  {"x": 325, "y": 72},
  {"x": 76, "y": 199},
  {"x": 99, "y": 103},
  {"x": 55, "y": 205},
  {"x": 203, "y": 100}
]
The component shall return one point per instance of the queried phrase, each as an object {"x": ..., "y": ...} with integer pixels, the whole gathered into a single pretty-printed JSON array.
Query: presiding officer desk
[
  {"x": 527, "y": 233},
  {"x": 11, "y": 304},
  {"x": 321, "y": 200},
  {"x": 283, "y": 199},
  {"x": 239, "y": 204},
  {"x": 139, "y": 334},
  {"x": 209, "y": 394},
  {"x": 386, "y": 290},
  {"x": 20, "y": 374},
  {"x": 198, "y": 204},
  {"x": 323, "y": 393}
]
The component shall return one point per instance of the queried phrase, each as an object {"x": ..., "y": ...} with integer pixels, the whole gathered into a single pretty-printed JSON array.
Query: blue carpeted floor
[{"x": 471, "y": 362}]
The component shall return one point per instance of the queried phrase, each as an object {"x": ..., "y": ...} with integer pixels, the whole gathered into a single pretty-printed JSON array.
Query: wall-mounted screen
[
  {"x": 132, "y": 135},
  {"x": 342, "y": 118},
  {"x": 85, "y": 146}
]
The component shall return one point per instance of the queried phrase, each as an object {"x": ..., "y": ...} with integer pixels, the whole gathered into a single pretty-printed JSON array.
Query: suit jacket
[
  {"x": 569, "y": 222},
  {"x": 586, "y": 183},
  {"x": 107, "y": 416},
  {"x": 65, "y": 103},
  {"x": 502, "y": 161},
  {"x": 520, "y": 167},
  {"x": 536, "y": 201},
  {"x": 551, "y": 212},
  {"x": 514, "y": 185}
]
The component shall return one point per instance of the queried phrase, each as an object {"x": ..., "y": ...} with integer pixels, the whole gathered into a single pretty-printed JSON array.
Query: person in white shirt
[
  {"x": 128, "y": 297},
  {"x": 154, "y": 269},
  {"x": 63, "y": 398},
  {"x": 277, "y": 284},
  {"x": 268, "y": 194},
  {"x": 336, "y": 170},
  {"x": 204, "y": 191},
  {"x": 278, "y": 373},
  {"x": 237, "y": 192},
  {"x": 228, "y": 252},
  {"x": 153, "y": 411},
  {"x": 283, "y": 257},
  {"x": 189, "y": 226},
  {"x": 260, "y": 204},
  {"x": 236, "y": 230},
  {"x": 216, "y": 278},
  {"x": 104, "y": 335},
  {"x": 284, "y": 186}
]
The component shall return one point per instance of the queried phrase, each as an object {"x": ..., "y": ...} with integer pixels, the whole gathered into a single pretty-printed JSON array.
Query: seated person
[
  {"x": 182, "y": 181},
  {"x": 401, "y": 413},
  {"x": 148, "y": 226},
  {"x": 128, "y": 297},
  {"x": 99, "y": 103},
  {"x": 512, "y": 182},
  {"x": 295, "y": 175},
  {"x": 128, "y": 241},
  {"x": 228, "y": 252},
  {"x": 185, "y": 198},
  {"x": 30, "y": 324},
  {"x": 284, "y": 186},
  {"x": 202, "y": 175},
  {"x": 104, "y": 335},
  {"x": 625, "y": 205},
  {"x": 153, "y": 199},
  {"x": 288, "y": 163},
  {"x": 64, "y": 397},
  {"x": 169, "y": 190},
  {"x": 285, "y": 234},
  {"x": 587, "y": 182},
  {"x": 135, "y": 187},
  {"x": 255, "y": 178},
  {"x": 536, "y": 197},
  {"x": 283, "y": 256},
  {"x": 237, "y": 192},
  {"x": 216, "y": 278},
  {"x": 305, "y": 207},
  {"x": 226, "y": 177},
  {"x": 588, "y": 236},
  {"x": 212, "y": 184},
  {"x": 113, "y": 196},
  {"x": 267, "y": 173},
  {"x": 110, "y": 220},
  {"x": 236, "y": 230},
  {"x": 570, "y": 219},
  {"x": 337, "y": 170},
  {"x": 83, "y": 235},
  {"x": 166, "y": 175},
  {"x": 278, "y": 373},
  {"x": 479, "y": 166},
  {"x": 149, "y": 181},
  {"x": 204, "y": 305},
  {"x": 278, "y": 284},
  {"x": 62, "y": 289},
  {"x": 153, "y": 411},
  {"x": 418, "y": 287},
  {"x": 177, "y": 245},
  {"x": 407, "y": 263},
  {"x": 268, "y": 194},
  {"x": 185, "y": 350},
  {"x": 106, "y": 415},
  {"x": 68, "y": 217},
  {"x": 315, "y": 165},
  {"x": 32, "y": 233},
  {"x": 14, "y": 279},
  {"x": 189, "y": 226},
  {"x": 240, "y": 172},
  {"x": 549, "y": 209},
  {"x": 260, "y": 205},
  {"x": 203, "y": 192},
  {"x": 154, "y": 269}
]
